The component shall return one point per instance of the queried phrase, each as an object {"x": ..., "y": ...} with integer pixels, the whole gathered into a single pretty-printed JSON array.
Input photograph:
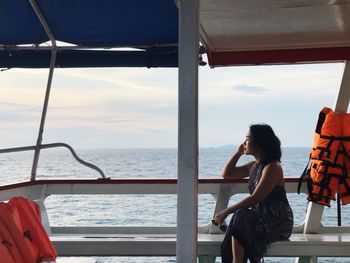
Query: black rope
[{"x": 338, "y": 210}]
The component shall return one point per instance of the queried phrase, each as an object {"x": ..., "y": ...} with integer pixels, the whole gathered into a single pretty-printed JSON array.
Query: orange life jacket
[
  {"x": 22, "y": 233},
  {"x": 329, "y": 165},
  {"x": 6, "y": 249}
]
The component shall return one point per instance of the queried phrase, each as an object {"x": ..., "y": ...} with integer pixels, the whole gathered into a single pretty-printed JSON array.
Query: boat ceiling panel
[
  {"x": 79, "y": 27},
  {"x": 104, "y": 23},
  {"x": 19, "y": 24},
  {"x": 270, "y": 25}
]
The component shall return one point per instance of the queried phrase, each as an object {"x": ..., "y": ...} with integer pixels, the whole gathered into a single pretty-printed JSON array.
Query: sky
[{"x": 137, "y": 108}]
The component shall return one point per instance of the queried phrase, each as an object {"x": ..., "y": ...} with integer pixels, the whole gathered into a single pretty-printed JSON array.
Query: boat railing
[
  {"x": 55, "y": 145},
  {"x": 221, "y": 189},
  {"x": 161, "y": 240}
]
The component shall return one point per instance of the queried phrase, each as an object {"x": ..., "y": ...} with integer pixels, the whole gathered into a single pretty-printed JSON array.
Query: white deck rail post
[
  {"x": 222, "y": 201},
  {"x": 187, "y": 173},
  {"x": 315, "y": 211}
]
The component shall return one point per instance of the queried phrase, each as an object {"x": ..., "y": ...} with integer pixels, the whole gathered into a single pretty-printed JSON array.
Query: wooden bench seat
[{"x": 208, "y": 245}]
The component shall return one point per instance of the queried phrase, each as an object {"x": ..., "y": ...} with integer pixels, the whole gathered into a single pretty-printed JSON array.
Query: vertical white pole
[
  {"x": 187, "y": 187},
  {"x": 48, "y": 31},
  {"x": 315, "y": 211},
  {"x": 43, "y": 116},
  {"x": 342, "y": 101}
]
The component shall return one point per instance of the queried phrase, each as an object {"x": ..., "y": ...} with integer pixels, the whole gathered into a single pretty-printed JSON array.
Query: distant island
[{"x": 225, "y": 146}]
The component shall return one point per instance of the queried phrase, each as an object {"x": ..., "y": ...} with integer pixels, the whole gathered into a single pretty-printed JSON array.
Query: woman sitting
[{"x": 265, "y": 215}]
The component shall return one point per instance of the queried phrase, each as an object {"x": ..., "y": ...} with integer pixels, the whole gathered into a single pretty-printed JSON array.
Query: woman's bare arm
[
  {"x": 232, "y": 171},
  {"x": 271, "y": 176}
]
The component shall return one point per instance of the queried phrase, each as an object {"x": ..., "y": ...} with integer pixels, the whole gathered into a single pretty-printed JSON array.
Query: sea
[{"x": 143, "y": 210}]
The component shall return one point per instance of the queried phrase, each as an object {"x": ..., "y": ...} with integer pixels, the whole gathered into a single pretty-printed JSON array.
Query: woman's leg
[{"x": 238, "y": 251}]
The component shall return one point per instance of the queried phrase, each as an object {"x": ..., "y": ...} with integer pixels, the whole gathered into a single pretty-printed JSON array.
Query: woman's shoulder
[{"x": 274, "y": 167}]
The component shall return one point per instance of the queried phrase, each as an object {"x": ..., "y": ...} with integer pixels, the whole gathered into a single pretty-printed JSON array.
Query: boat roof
[
  {"x": 84, "y": 27},
  {"x": 233, "y": 32},
  {"x": 238, "y": 32}
]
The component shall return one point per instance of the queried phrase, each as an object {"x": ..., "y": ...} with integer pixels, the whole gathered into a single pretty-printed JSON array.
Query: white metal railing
[
  {"x": 221, "y": 189},
  {"x": 54, "y": 145}
]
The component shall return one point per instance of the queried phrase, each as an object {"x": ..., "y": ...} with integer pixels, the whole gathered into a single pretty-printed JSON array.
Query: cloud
[
  {"x": 139, "y": 107},
  {"x": 248, "y": 88},
  {"x": 3, "y": 103}
]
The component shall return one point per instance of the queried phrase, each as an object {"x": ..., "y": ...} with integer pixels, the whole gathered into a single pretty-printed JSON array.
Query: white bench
[{"x": 332, "y": 245}]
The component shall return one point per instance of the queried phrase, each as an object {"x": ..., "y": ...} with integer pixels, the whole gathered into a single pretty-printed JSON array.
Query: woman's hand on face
[
  {"x": 241, "y": 149},
  {"x": 220, "y": 217}
]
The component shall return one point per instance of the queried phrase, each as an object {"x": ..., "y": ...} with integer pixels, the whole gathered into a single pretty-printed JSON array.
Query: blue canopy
[
  {"x": 150, "y": 25},
  {"x": 89, "y": 58}
]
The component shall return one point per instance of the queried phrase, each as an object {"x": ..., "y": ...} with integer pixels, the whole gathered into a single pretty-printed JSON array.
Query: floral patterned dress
[{"x": 257, "y": 226}]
